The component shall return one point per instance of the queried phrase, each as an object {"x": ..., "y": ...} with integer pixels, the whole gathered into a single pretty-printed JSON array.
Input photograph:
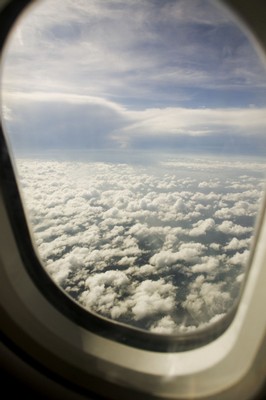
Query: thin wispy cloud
[
  {"x": 74, "y": 117},
  {"x": 150, "y": 68}
]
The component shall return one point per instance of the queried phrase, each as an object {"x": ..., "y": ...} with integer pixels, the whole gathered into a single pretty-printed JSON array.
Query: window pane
[{"x": 138, "y": 130}]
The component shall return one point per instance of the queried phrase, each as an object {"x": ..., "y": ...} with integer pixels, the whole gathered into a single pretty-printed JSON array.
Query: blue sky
[{"x": 133, "y": 74}]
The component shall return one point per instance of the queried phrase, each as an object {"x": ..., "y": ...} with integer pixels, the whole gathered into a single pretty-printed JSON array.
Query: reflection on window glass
[{"x": 138, "y": 129}]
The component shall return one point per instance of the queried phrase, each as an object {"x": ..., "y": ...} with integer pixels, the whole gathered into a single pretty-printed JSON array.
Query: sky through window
[{"x": 138, "y": 129}]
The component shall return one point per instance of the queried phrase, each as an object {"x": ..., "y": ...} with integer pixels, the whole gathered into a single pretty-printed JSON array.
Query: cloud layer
[{"x": 160, "y": 246}]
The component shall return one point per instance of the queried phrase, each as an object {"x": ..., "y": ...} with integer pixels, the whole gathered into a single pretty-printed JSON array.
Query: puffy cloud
[
  {"x": 187, "y": 252},
  {"x": 108, "y": 278},
  {"x": 144, "y": 270},
  {"x": 209, "y": 184},
  {"x": 180, "y": 205},
  {"x": 223, "y": 213},
  {"x": 104, "y": 291},
  {"x": 164, "y": 259},
  {"x": 59, "y": 270},
  {"x": 236, "y": 244},
  {"x": 229, "y": 228},
  {"x": 247, "y": 194},
  {"x": 205, "y": 198},
  {"x": 153, "y": 297},
  {"x": 143, "y": 231},
  {"x": 201, "y": 227},
  {"x": 206, "y": 300},
  {"x": 240, "y": 258},
  {"x": 241, "y": 208},
  {"x": 208, "y": 264},
  {"x": 165, "y": 326},
  {"x": 215, "y": 246}
]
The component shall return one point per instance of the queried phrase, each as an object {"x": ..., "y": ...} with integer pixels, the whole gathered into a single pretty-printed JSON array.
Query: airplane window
[{"x": 138, "y": 134}]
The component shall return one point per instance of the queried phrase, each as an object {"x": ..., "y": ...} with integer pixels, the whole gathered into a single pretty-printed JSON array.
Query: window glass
[{"x": 138, "y": 132}]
